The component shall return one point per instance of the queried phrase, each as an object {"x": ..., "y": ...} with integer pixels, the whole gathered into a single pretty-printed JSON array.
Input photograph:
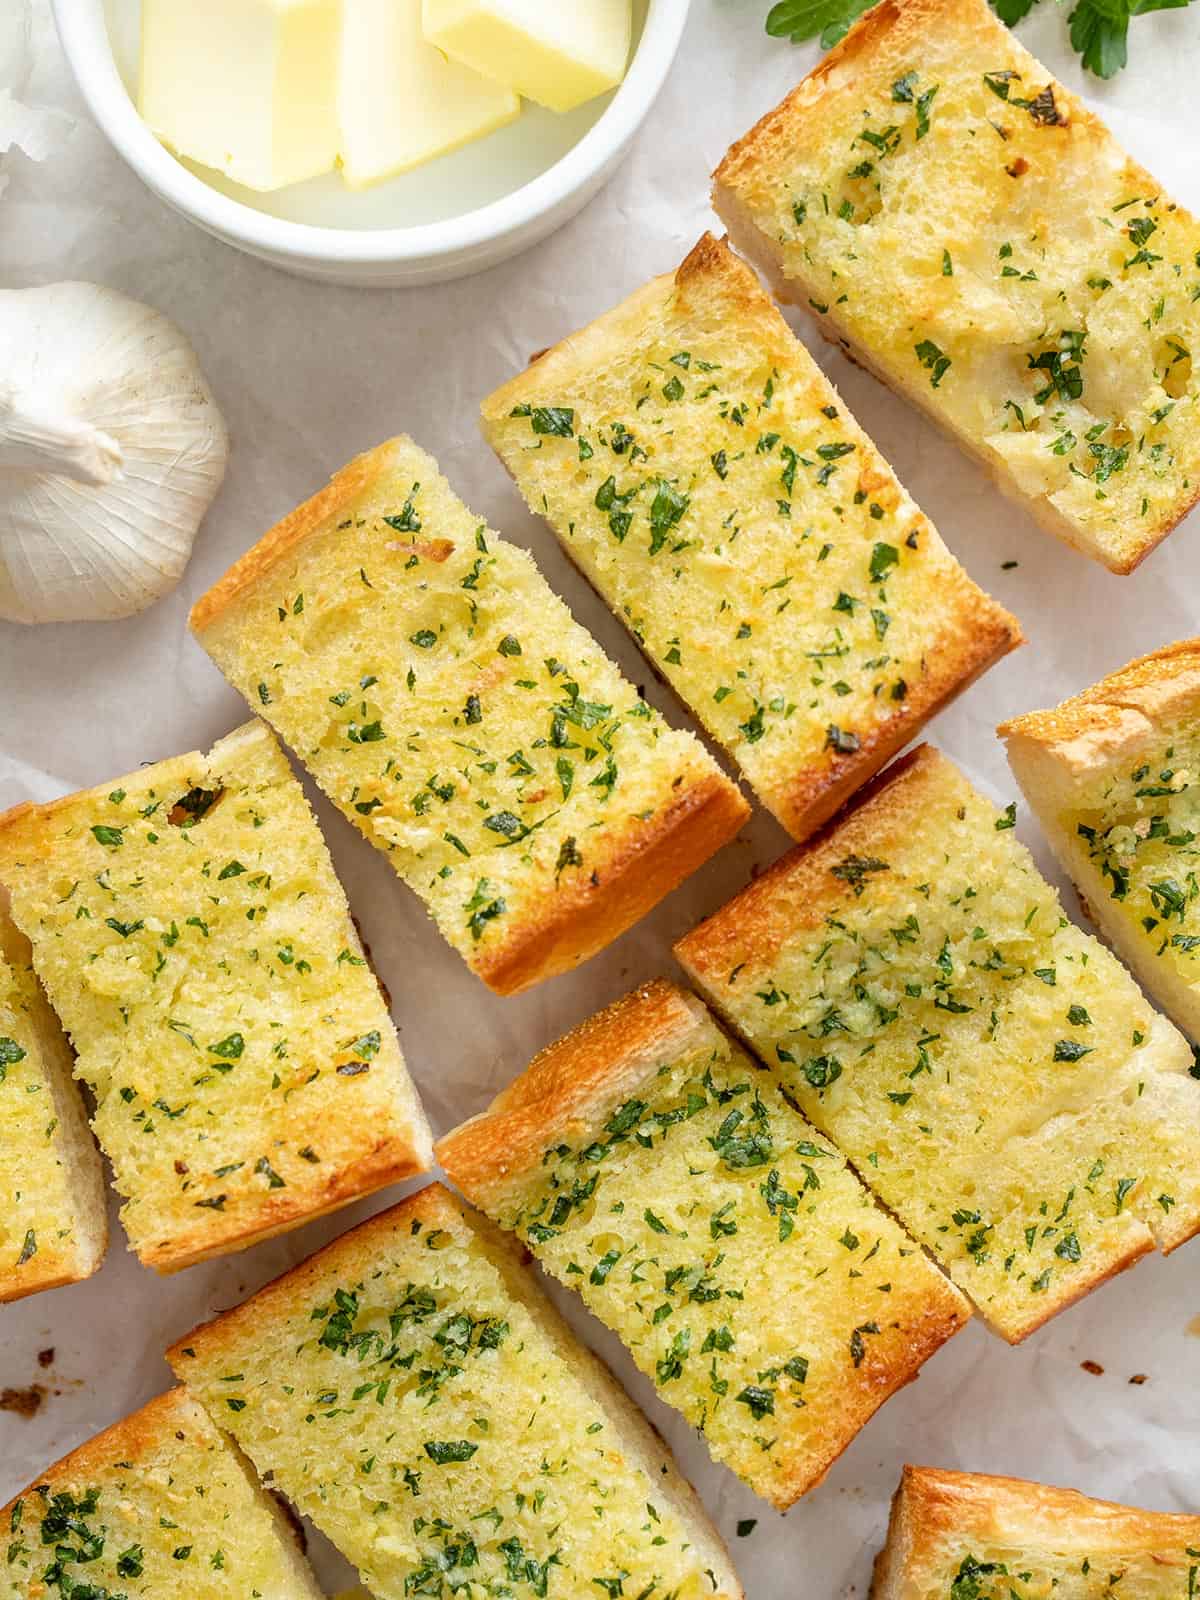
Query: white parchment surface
[{"x": 307, "y": 376}]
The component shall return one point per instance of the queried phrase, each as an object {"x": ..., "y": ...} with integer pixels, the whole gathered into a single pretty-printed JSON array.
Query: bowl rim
[{"x": 83, "y": 29}]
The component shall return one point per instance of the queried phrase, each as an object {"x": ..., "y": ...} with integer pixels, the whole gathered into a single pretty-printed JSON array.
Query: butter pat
[
  {"x": 245, "y": 86},
  {"x": 557, "y": 52},
  {"x": 400, "y": 101}
]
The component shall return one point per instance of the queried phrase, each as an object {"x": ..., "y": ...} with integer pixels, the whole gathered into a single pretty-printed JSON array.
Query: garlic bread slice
[
  {"x": 454, "y": 711},
  {"x": 53, "y": 1218},
  {"x": 650, "y": 1164},
  {"x": 964, "y": 226},
  {"x": 411, "y": 1389},
  {"x": 991, "y": 1071},
  {"x": 160, "y": 1505},
  {"x": 964, "y": 1533},
  {"x": 1114, "y": 777},
  {"x": 191, "y": 933},
  {"x": 703, "y": 473}
]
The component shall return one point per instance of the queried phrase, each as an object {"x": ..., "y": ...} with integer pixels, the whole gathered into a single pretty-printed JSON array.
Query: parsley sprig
[
  {"x": 1099, "y": 29},
  {"x": 798, "y": 20}
]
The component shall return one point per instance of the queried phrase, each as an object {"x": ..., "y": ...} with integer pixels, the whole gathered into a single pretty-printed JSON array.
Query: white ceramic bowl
[{"x": 428, "y": 252}]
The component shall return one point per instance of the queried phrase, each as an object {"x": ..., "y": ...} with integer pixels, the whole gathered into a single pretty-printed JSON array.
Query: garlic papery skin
[
  {"x": 43, "y": 440},
  {"x": 111, "y": 452}
]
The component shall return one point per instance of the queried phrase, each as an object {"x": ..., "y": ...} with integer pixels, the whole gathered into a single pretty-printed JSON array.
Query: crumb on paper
[
  {"x": 23, "y": 1402},
  {"x": 1094, "y": 1367}
]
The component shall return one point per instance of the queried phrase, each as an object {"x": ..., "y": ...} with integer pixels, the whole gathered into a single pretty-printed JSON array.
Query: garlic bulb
[{"x": 111, "y": 451}]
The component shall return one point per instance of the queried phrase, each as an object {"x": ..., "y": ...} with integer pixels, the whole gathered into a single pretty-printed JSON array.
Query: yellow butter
[
  {"x": 559, "y": 55},
  {"x": 400, "y": 101},
  {"x": 245, "y": 86}
]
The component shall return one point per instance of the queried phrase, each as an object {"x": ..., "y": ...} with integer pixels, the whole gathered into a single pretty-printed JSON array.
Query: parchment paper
[{"x": 309, "y": 375}]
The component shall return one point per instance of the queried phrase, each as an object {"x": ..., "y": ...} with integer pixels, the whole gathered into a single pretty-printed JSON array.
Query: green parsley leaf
[{"x": 798, "y": 20}]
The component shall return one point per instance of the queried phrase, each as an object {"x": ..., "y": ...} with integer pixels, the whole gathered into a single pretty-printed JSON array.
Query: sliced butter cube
[
  {"x": 558, "y": 55},
  {"x": 244, "y": 86},
  {"x": 400, "y": 101}
]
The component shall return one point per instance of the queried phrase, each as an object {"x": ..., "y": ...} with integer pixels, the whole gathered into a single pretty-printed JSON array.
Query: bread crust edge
[
  {"x": 1054, "y": 754},
  {"x": 931, "y": 1505}
]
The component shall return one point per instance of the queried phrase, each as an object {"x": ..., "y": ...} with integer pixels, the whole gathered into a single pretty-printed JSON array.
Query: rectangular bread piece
[
  {"x": 649, "y": 1163},
  {"x": 966, "y": 1534},
  {"x": 190, "y": 930},
  {"x": 159, "y": 1507},
  {"x": 450, "y": 706},
  {"x": 53, "y": 1217},
  {"x": 967, "y": 228},
  {"x": 705, "y": 476},
  {"x": 1114, "y": 777},
  {"x": 412, "y": 1390},
  {"x": 991, "y": 1071}
]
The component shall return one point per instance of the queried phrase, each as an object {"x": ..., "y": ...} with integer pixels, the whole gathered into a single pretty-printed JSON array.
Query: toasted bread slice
[
  {"x": 698, "y": 466},
  {"x": 53, "y": 1221},
  {"x": 650, "y": 1164},
  {"x": 449, "y": 705},
  {"x": 991, "y": 1071},
  {"x": 962, "y": 1533},
  {"x": 966, "y": 227},
  {"x": 161, "y": 1505},
  {"x": 413, "y": 1392},
  {"x": 190, "y": 930},
  {"x": 1114, "y": 777}
]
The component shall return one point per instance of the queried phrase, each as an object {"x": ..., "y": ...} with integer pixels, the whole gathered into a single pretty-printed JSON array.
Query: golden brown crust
[
  {"x": 654, "y": 857},
  {"x": 342, "y": 490},
  {"x": 893, "y": 1361},
  {"x": 1013, "y": 1508},
  {"x": 802, "y": 797},
  {"x": 891, "y": 29},
  {"x": 889, "y": 36},
  {"x": 1137, "y": 1243},
  {"x": 815, "y": 798},
  {"x": 566, "y": 1081},
  {"x": 128, "y": 1440},
  {"x": 13, "y": 1288},
  {"x": 935, "y": 1513},
  {"x": 1057, "y": 756},
  {"x": 364, "y": 1247},
  {"x": 1090, "y": 728},
  {"x": 793, "y": 893},
  {"x": 432, "y": 1204},
  {"x": 391, "y": 1161}
]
